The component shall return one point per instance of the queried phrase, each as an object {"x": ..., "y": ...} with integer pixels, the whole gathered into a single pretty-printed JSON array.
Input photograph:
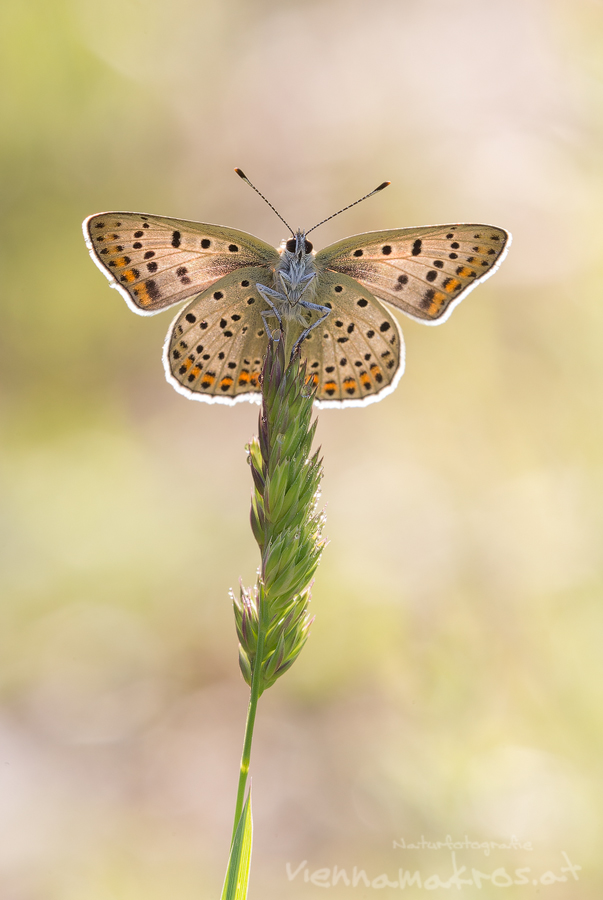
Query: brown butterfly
[{"x": 243, "y": 289}]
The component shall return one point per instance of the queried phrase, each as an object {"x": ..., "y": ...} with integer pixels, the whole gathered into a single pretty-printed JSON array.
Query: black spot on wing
[
  {"x": 152, "y": 289},
  {"x": 427, "y": 298}
]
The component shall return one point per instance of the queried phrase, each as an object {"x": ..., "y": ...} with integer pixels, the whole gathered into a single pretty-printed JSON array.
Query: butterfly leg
[
  {"x": 325, "y": 310},
  {"x": 265, "y": 293}
]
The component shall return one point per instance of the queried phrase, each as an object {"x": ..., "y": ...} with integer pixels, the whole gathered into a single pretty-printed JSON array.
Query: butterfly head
[{"x": 298, "y": 246}]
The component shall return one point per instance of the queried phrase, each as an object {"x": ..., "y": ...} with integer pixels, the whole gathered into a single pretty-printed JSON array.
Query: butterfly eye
[
  {"x": 290, "y": 245},
  {"x": 308, "y": 247}
]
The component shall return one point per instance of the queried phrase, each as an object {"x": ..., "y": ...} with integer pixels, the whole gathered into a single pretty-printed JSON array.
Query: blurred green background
[{"x": 453, "y": 681}]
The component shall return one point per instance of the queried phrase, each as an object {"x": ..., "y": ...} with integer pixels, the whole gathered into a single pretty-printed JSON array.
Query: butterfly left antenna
[
  {"x": 366, "y": 196},
  {"x": 242, "y": 175}
]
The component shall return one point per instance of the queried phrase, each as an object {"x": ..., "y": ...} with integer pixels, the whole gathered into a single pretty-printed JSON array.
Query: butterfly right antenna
[
  {"x": 242, "y": 175},
  {"x": 377, "y": 189}
]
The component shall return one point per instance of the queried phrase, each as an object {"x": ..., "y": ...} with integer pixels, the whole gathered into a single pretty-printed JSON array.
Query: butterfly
[{"x": 244, "y": 289}]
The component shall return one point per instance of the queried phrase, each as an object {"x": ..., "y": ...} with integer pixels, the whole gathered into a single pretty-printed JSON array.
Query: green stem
[{"x": 254, "y": 696}]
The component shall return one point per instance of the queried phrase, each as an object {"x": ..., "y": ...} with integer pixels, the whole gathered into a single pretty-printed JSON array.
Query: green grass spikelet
[{"x": 284, "y": 521}]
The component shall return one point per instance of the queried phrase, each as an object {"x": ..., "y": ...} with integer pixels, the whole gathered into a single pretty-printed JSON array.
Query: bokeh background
[{"x": 453, "y": 682}]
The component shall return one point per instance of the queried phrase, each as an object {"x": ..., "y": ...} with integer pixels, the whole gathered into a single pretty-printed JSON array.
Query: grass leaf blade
[{"x": 236, "y": 881}]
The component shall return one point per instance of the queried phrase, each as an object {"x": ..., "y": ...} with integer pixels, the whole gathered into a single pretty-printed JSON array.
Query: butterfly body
[
  {"x": 296, "y": 268},
  {"x": 241, "y": 289},
  {"x": 298, "y": 280}
]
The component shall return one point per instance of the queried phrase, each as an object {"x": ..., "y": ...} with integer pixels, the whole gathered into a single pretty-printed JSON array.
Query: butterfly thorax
[{"x": 295, "y": 275}]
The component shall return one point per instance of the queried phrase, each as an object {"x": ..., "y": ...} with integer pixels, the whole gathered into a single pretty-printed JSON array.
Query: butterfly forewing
[
  {"x": 156, "y": 262},
  {"x": 356, "y": 355},
  {"x": 215, "y": 347},
  {"x": 424, "y": 272}
]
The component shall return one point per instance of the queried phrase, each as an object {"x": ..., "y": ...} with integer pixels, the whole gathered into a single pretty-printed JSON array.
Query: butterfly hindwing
[
  {"x": 425, "y": 272},
  {"x": 156, "y": 261},
  {"x": 216, "y": 345},
  {"x": 356, "y": 355}
]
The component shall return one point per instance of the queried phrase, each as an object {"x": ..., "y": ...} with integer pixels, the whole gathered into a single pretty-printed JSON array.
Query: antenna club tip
[
  {"x": 384, "y": 185},
  {"x": 241, "y": 173}
]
